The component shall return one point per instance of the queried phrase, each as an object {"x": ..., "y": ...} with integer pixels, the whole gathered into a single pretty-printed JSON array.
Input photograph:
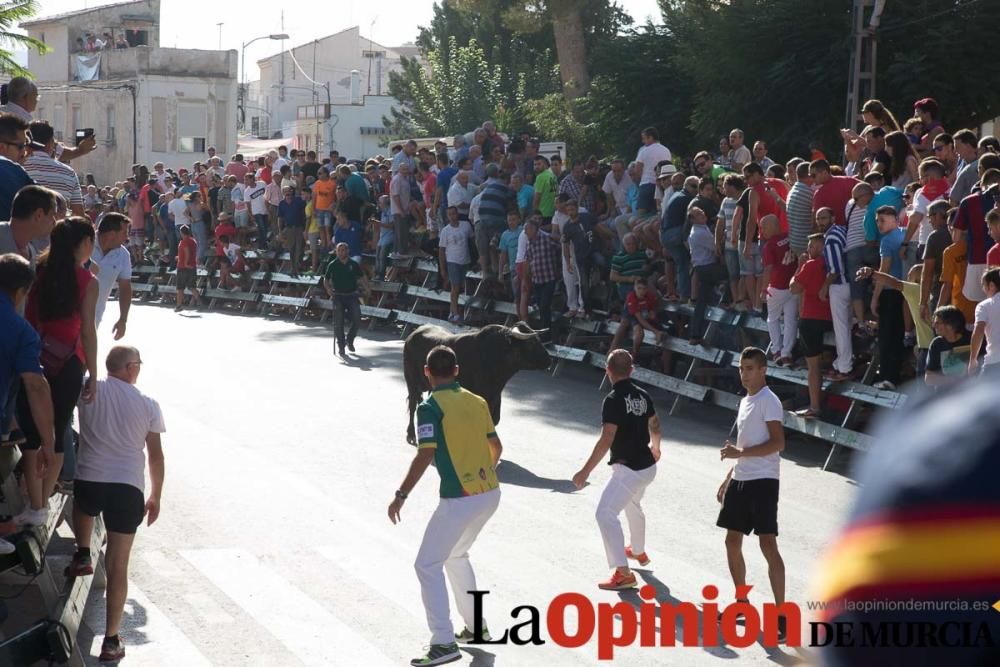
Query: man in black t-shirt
[{"x": 631, "y": 431}]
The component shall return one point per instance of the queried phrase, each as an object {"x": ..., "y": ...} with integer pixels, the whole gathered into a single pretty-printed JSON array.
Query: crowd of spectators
[{"x": 891, "y": 242}]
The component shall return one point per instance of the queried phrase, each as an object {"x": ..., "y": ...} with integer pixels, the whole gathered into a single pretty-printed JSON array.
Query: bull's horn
[{"x": 522, "y": 335}]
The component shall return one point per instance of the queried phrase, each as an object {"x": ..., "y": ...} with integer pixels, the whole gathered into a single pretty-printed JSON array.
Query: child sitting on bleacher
[
  {"x": 230, "y": 261},
  {"x": 640, "y": 315}
]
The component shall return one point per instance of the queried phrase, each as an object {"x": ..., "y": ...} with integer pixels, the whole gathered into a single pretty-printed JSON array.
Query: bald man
[{"x": 117, "y": 430}]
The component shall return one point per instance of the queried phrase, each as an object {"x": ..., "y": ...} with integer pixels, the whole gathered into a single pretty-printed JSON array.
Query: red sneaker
[
  {"x": 642, "y": 558},
  {"x": 112, "y": 650},
  {"x": 618, "y": 582},
  {"x": 79, "y": 567}
]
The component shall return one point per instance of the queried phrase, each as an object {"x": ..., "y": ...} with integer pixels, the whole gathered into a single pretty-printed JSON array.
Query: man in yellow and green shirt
[{"x": 455, "y": 430}]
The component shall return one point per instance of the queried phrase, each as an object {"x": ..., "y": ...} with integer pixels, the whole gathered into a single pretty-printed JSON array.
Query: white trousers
[
  {"x": 450, "y": 533},
  {"x": 574, "y": 299},
  {"x": 840, "y": 309},
  {"x": 623, "y": 492},
  {"x": 782, "y": 305}
]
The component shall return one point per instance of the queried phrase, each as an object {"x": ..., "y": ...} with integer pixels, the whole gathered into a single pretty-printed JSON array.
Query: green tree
[{"x": 12, "y": 13}]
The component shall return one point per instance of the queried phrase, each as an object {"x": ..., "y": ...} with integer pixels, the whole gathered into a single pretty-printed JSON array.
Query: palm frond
[{"x": 12, "y": 14}]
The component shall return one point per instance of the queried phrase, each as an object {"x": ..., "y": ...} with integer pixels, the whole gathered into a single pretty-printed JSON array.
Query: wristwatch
[{"x": 400, "y": 495}]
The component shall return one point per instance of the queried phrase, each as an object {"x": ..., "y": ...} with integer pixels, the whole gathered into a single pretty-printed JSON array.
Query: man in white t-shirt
[
  {"x": 253, "y": 195},
  {"x": 454, "y": 256},
  {"x": 649, "y": 157},
  {"x": 179, "y": 212},
  {"x": 114, "y": 268},
  {"x": 116, "y": 430},
  {"x": 739, "y": 155},
  {"x": 749, "y": 494}
]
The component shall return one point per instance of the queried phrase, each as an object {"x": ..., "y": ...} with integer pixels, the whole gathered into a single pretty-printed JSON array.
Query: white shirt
[
  {"x": 255, "y": 195},
  {"x": 988, "y": 311},
  {"x": 855, "y": 216},
  {"x": 650, "y": 156},
  {"x": 920, "y": 205},
  {"x": 459, "y": 195},
  {"x": 522, "y": 248},
  {"x": 474, "y": 208},
  {"x": 113, "y": 431},
  {"x": 278, "y": 164},
  {"x": 179, "y": 209},
  {"x": 751, "y": 423},
  {"x": 740, "y": 155},
  {"x": 618, "y": 190},
  {"x": 114, "y": 266},
  {"x": 231, "y": 252},
  {"x": 455, "y": 241}
]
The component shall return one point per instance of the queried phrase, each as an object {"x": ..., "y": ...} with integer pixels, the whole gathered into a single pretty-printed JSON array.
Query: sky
[{"x": 193, "y": 23}]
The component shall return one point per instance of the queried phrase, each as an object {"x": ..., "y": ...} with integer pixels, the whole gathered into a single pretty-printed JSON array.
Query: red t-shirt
[
  {"x": 430, "y": 184},
  {"x": 768, "y": 206},
  {"x": 993, "y": 255},
  {"x": 811, "y": 277},
  {"x": 835, "y": 194},
  {"x": 645, "y": 307},
  {"x": 778, "y": 255},
  {"x": 225, "y": 229},
  {"x": 67, "y": 329},
  {"x": 187, "y": 253}
]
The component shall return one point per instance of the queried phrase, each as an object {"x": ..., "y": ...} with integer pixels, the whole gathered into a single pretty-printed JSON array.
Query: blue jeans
[
  {"x": 673, "y": 243},
  {"x": 709, "y": 276},
  {"x": 262, "y": 229},
  {"x": 544, "y": 292},
  {"x": 200, "y": 231},
  {"x": 172, "y": 240}
]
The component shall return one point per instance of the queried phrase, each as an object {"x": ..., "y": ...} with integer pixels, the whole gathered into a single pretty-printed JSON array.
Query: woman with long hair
[
  {"x": 903, "y": 168},
  {"x": 61, "y": 307},
  {"x": 874, "y": 113}
]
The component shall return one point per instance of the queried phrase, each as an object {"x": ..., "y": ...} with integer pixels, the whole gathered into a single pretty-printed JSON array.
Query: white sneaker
[
  {"x": 6, "y": 547},
  {"x": 30, "y": 517}
]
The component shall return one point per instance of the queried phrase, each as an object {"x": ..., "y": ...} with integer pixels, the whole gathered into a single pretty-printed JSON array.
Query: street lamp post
[{"x": 243, "y": 74}]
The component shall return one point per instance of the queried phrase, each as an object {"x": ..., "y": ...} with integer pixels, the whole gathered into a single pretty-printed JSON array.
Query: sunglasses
[
  {"x": 20, "y": 147},
  {"x": 700, "y": 165},
  {"x": 938, "y": 149}
]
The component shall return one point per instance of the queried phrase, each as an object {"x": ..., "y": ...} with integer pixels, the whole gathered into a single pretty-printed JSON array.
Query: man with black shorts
[
  {"x": 816, "y": 318},
  {"x": 115, "y": 429},
  {"x": 631, "y": 430},
  {"x": 749, "y": 494}
]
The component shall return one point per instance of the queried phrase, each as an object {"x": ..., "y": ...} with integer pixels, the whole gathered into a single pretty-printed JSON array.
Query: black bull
[{"x": 487, "y": 359}]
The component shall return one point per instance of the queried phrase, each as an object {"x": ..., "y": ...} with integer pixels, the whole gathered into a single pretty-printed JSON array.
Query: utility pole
[{"x": 861, "y": 77}]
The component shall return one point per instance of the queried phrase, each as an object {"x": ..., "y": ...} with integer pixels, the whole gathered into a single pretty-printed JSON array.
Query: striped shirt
[
  {"x": 630, "y": 264},
  {"x": 855, "y": 216},
  {"x": 496, "y": 200},
  {"x": 834, "y": 245},
  {"x": 800, "y": 216},
  {"x": 726, "y": 213},
  {"x": 55, "y": 175}
]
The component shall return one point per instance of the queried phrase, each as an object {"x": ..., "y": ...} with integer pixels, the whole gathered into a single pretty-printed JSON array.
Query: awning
[{"x": 250, "y": 145}]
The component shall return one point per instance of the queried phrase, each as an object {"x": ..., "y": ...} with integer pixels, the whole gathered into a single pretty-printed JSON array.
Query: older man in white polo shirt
[{"x": 116, "y": 430}]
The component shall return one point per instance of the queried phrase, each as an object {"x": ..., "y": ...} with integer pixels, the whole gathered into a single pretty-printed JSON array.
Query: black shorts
[
  {"x": 811, "y": 332},
  {"x": 122, "y": 505},
  {"x": 186, "y": 279},
  {"x": 750, "y": 505}
]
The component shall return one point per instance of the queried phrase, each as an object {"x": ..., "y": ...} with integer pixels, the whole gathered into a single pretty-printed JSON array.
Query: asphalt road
[{"x": 273, "y": 546}]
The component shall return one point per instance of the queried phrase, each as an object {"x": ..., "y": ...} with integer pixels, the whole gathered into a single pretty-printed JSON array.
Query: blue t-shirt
[
  {"x": 293, "y": 213},
  {"x": 444, "y": 182},
  {"x": 351, "y": 235},
  {"x": 20, "y": 348},
  {"x": 887, "y": 196},
  {"x": 13, "y": 177},
  {"x": 889, "y": 247},
  {"x": 508, "y": 242},
  {"x": 525, "y": 197}
]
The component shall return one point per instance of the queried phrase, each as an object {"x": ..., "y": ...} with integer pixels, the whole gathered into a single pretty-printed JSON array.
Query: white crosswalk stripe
[{"x": 304, "y": 626}]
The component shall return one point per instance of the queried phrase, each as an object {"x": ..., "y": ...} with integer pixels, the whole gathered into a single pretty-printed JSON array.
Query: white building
[
  {"x": 145, "y": 103},
  {"x": 350, "y": 71}
]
